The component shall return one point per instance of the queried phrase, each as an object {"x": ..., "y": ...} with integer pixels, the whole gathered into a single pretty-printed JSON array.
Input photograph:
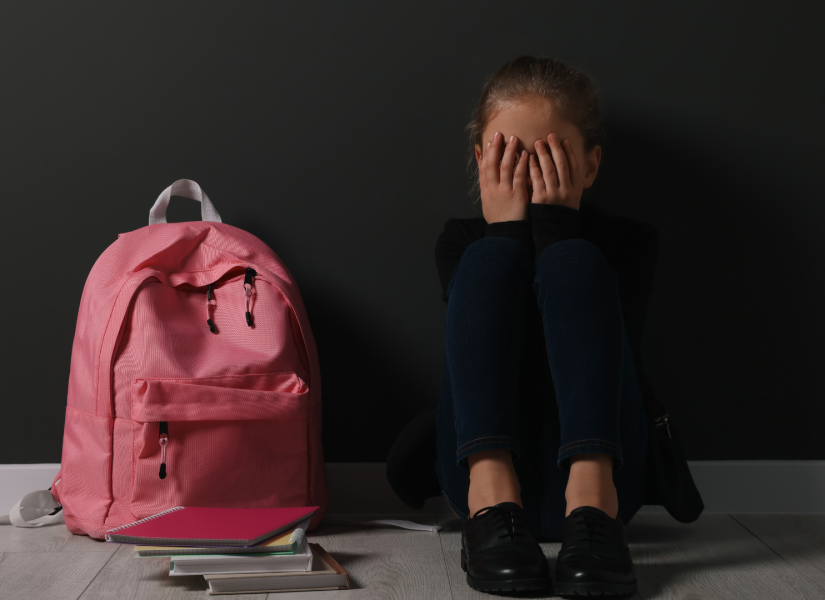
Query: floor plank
[
  {"x": 799, "y": 539},
  {"x": 51, "y": 538},
  {"x": 728, "y": 557},
  {"x": 128, "y": 578},
  {"x": 48, "y": 575},
  {"x": 712, "y": 558},
  {"x": 384, "y": 562}
]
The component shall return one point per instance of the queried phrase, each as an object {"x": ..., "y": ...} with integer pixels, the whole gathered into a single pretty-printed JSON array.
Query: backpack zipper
[
  {"x": 163, "y": 439},
  {"x": 208, "y": 303},
  {"x": 663, "y": 420},
  {"x": 247, "y": 286}
]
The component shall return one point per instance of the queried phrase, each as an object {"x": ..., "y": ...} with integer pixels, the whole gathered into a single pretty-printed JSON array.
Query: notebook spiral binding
[{"x": 160, "y": 514}]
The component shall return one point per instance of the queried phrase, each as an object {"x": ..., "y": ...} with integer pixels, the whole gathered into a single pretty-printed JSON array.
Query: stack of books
[{"x": 237, "y": 551}]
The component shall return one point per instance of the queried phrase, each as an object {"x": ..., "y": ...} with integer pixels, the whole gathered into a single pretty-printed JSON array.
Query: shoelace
[
  {"x": 590, "y": 533},
  {"x": 506, "y": 517}
]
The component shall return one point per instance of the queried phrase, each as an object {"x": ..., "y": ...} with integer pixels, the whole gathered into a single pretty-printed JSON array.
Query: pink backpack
[{"x": 194, "y": 378}]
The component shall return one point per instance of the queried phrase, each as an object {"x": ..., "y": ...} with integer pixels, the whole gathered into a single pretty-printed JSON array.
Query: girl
[{"x": 541, "y": 430}]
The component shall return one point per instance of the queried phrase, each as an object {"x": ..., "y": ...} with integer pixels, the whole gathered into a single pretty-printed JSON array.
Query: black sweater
[{"x": 630, "y": 247}]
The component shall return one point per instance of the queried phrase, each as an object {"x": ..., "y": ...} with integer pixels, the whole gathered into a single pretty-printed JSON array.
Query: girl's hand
[
  {"x": 559, "y": 183},
  {"x": 503, "y": 184}
]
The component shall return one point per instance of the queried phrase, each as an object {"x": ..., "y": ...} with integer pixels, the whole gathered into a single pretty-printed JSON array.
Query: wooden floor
[{"x": 776, "y": 557}]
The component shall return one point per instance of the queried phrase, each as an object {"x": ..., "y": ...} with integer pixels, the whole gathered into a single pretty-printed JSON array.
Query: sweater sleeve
[
  {"x": 635, "y": 266},
  {"x": 552, "y": 223},
  {"x": 458, "y": 234},
  {"x": 515, "y": 230}
]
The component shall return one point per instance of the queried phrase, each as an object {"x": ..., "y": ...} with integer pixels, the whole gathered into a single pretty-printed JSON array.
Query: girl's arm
[
  {"x": 552, "y": 223},
  {"x": 634, "y": 257},
  {"x": 558, "y": 184},
  {"x": 458, "y": 234},
  {"x": 635, "y": 265}
]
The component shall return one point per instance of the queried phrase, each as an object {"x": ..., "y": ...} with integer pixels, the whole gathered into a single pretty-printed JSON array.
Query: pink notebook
[{"x": 197, "y": 526}]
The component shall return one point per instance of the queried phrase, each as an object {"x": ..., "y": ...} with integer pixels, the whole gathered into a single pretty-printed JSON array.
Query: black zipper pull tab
[
  {"x": 663, "y": 420},
  {"x": 247, "y": 286},
  {"x": 163, "y": 440},
  {"x": 208, "y": 303}
]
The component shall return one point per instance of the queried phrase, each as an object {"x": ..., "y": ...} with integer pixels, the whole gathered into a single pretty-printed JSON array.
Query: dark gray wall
[{"x": 334, "y": 132}]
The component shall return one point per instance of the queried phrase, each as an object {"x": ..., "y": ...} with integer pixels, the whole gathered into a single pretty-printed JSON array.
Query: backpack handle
[{"x": 188, "y": 189}]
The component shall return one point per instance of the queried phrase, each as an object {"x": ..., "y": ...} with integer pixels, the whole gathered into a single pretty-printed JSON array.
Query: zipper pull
[
  {"x": 163, "y": 440},
  {"x": 208, "y": 302},
  {"x": 247, "y": 286},
  {"x": 663, "y": 420}
]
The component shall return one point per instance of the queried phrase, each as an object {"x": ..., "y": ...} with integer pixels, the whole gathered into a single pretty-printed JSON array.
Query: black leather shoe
[
  {"x": 499, "y": 553},
  {"x": 594, "y": 559}
]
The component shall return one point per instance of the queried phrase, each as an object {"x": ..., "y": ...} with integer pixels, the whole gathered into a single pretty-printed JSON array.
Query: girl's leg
[
  {"x": 601, "y": 454},
  {"x": 476, "y": 411}
]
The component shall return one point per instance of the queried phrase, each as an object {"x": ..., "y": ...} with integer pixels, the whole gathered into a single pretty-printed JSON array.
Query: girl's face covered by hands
[{"x": 556, "y": 168}]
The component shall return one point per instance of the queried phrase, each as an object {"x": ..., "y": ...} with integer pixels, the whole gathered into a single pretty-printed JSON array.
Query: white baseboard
[
  {"x": 18, "y": 480},
  {"x": 727, "y": 486}
]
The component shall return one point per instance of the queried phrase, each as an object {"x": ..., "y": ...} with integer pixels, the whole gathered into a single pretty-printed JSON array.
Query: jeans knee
[
  {"x": 495, "y": 260},
  {"x": 574, "y": 256},
  {"x": 498, "y": 249},
  {"x": 573, "y": 247}
]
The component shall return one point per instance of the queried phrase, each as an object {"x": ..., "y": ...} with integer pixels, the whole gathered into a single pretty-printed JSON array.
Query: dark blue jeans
[{"x": 598, "y": 405}]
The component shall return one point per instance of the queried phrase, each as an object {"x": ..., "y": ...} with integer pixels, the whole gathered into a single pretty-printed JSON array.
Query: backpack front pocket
[{"x": 224, "y": 441}]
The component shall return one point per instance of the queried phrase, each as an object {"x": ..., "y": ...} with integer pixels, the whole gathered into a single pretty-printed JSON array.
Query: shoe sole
[
  {"x": 507, "y": 585},
  {"x": 594, "y": 588}
]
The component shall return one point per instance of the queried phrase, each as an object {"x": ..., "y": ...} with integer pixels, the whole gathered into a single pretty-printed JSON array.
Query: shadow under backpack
[{"x": 194, "y": 381}]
